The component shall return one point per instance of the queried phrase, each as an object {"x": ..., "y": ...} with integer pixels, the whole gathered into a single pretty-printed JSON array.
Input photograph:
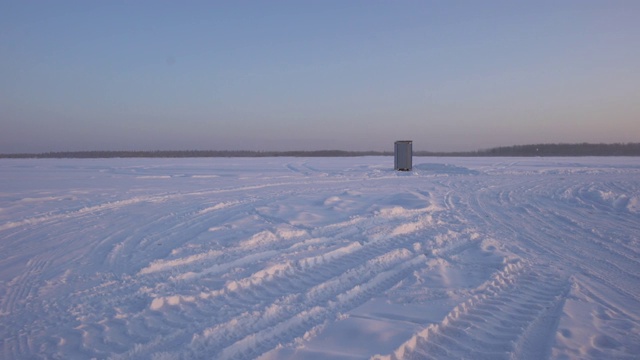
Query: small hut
[{"x": 403, "y": 155}]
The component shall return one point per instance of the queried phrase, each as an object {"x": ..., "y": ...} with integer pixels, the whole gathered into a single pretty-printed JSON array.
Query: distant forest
[{"x": 583, "y": 149}]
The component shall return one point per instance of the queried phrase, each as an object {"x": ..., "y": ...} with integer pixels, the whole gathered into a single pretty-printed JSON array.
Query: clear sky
[{"x": 309, "y": 75}]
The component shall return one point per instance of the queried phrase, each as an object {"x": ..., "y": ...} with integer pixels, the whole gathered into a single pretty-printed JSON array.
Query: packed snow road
[{"x": 302, "y": 258}]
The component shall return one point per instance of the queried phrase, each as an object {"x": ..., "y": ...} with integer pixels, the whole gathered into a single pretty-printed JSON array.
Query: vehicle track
[
  {"x": 322, "y": 277},
  {"x": 506, "y": 317}
]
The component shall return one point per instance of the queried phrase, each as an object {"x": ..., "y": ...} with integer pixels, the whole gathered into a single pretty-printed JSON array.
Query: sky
[{"x": 311, "y": 75}]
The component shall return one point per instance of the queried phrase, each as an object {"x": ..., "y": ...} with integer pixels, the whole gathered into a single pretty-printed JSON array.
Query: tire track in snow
[
  {"x": 23, "y": 287},
  {"x": 19, "y": 293},
  {"x": 319, "y": 289},
  {"x": 192, "y": 221},
  {"x": 118, "y": 204},
  {"x": 242, "y": 324},
  {"x": 560, "y": 222},
  {"x": 577, "y": 244},
  {"x": 337, "y": 269},
  {"x": 332, "y": 233},
  {"x": 362, "y": 249},
  {"x": 113, "y": 293},
  {"x": 507, "y": 317},
  {"x": 291, "y": 316}
]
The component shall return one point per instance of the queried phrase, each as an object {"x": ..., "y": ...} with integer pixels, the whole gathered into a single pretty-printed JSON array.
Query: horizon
[
  {"x": 548, "y": 149},
  {"x": 288, "y": 76}
]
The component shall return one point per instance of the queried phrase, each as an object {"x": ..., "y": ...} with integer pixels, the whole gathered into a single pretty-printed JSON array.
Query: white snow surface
[{"x": 320, "y": 258}]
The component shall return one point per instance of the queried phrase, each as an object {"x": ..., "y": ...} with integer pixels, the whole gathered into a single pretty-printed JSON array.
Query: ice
[{"x": 320, "y": 258}]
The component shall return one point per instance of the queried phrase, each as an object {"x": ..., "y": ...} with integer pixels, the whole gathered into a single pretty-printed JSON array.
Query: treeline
[
  {"x": 191, "y": 154},
  {"x": 584, "y": 149}
]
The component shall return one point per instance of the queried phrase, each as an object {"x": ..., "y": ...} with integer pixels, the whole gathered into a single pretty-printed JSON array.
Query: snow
[{"x": 317, "y": 258}]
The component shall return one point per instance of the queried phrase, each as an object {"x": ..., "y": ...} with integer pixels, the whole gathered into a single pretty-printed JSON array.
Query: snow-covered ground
[{"x": 303, "y": 258}]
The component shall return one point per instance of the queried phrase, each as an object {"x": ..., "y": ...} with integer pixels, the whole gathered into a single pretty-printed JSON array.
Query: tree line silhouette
[
  {"x": 193, "y": 154},
  {"x": 582, "y": 149}
]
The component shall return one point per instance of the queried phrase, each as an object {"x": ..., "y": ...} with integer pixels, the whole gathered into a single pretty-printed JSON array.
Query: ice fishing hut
[{"x": 403, "y": 155}]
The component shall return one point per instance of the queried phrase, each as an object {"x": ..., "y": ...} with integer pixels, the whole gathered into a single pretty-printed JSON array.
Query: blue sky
[{"x": 283, "y": 75}]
